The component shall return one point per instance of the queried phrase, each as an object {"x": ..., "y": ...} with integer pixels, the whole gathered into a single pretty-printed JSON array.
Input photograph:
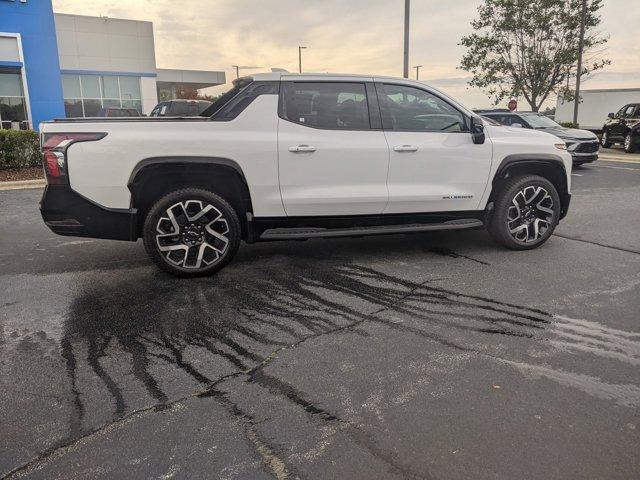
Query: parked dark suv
[
  {"x": 582, "y": 144},
  {"x": 180, "y": 108},
  {"x": 623, "y": 127}
]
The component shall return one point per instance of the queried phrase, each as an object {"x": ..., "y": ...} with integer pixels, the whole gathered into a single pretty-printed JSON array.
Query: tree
[{"x": 530, "y": 48}]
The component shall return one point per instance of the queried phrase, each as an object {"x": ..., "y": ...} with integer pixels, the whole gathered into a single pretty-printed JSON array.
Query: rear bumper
[{"x": 66, "y": 212}]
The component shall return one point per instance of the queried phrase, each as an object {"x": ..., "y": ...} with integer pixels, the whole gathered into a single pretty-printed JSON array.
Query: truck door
[
  {"x": 434, "y": 165},
  {"x": 332, "y": 159}
]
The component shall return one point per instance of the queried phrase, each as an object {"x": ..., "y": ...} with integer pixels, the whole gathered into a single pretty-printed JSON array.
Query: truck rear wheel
[
  {"x": 525, "y": 213},
  {"x": 191, "y": 232}
]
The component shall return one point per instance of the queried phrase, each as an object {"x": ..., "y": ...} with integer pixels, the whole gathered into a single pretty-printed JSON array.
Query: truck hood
[
  {"x": 569, "y": 133},
  {"x": 520, "y": 134}
]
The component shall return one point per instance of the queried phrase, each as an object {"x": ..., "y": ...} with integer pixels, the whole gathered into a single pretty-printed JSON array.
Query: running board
[{"x": 302, "y": 233}]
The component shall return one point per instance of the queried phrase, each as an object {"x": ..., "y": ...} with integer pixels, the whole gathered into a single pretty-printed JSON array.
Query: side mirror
[
  {"x": 477, "y": 130},
  {"x": 516, "y": 125},
  {"x": 611, "y": 115}
]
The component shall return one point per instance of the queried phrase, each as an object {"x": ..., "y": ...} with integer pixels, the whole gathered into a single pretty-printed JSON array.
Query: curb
[{"x": 23, "y": 184}]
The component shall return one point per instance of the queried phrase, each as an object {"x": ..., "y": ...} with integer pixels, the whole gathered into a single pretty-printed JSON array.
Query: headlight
[
  {"x": 560, "y": 146},
  {"x": 571, "y": 146}
]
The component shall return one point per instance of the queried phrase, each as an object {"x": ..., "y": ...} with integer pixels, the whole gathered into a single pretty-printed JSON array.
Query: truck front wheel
[
  {"x": 191, "y": 232},
  {"x": 525, "y": 213}
]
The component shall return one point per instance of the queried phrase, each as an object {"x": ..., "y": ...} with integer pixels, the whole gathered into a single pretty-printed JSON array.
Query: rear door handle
[
  {"x": 302, "y": 148},
  {"x": 405, "y": 148}
]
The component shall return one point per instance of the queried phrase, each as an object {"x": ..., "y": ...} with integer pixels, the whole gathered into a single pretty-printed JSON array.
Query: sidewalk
[{"x": 615, "y": 155}]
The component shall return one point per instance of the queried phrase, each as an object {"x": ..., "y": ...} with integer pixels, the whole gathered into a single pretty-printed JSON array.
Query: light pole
[
  {"x": 417, "y": 67},
  {"x": 300, "y": 58},
  {"x": 583, "y": 22},
  {"x": 407, "y": 9}
]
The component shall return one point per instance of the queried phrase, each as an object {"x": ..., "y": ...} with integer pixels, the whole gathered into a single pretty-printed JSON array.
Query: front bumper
[
  {"x": 584, "y": 157},
  {"x": 66, "y": 212}
]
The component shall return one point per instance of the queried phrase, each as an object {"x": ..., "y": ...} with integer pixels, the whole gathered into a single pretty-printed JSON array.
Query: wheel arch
[
  {"x": 155, "y": 176},
  {"x": 548, "y": 166}
]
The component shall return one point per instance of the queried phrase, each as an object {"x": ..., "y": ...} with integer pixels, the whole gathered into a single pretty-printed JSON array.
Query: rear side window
[
  {"x": 407, "y": 108},
  {"x": 244, "y": 96},
  {"x": 326, "y": 105}
]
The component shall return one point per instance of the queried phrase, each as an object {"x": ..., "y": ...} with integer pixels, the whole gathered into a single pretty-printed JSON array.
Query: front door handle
[
  {"x": 302, "y": 148},
  {"x": 405, "y": 148}
]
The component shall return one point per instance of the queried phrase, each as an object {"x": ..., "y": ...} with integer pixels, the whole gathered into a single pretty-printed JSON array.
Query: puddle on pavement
[{"x": 147, "y": 319}]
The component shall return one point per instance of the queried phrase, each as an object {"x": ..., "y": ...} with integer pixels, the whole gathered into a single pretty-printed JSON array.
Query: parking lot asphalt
[{"x": 435, "y": 356}]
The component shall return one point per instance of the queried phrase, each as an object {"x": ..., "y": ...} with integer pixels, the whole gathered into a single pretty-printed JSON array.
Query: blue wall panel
[{"x": 33, "y": 20}]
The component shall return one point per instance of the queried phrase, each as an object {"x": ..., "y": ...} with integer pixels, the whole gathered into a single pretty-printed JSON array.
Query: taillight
[{"x": 54, "y": 149}]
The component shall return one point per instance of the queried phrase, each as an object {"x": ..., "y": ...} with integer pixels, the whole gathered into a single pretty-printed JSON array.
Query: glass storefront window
[
  {"x": 91, "y": 107},
  {"x": 90, "y": 86},
  {"x": 11, "y": 85},
  {"x": 71, "y": 86},
  {"x": 110, "y": 88},
  {"x": 13, "y": 109},
  {"x": 87, "y": 95},
  {"x": 73, "y": 107},
  {"x": 13, "y": 106},
  {"x": 130, "y": 88},
  {"x": 137, "y": 104}
]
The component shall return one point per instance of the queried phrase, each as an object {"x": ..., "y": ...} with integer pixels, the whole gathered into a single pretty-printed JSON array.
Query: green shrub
[
  {"x": 569, "y": 125},
  {"x": 19, "y": 149}
]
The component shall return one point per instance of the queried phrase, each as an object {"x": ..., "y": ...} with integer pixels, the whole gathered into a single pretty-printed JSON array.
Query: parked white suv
[{"x": 286, "y": 156}]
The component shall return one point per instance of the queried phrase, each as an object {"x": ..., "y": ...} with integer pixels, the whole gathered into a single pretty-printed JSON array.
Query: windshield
[{"x": 540, "y": 121}]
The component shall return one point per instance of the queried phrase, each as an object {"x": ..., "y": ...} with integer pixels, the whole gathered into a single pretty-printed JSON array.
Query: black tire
[
  {"x": 504, "y": 210},
  {"x": 604, "y": 140},
  {"x": 204, "y": 247},
  {"x": 629, "y": 147}
]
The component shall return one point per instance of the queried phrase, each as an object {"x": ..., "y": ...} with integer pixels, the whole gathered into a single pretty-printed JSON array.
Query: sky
[{"x": 345, "y": 36}]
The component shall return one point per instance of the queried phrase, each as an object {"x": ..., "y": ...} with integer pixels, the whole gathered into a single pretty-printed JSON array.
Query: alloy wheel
[
  {"x": 530, "y": 214},
  {"x": 604, "y": 138},
  {"x": 192, "y": 234},
  {"x": 627, "y": 142}
]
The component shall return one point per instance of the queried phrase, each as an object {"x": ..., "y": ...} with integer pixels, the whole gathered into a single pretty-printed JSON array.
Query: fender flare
[
  {"x": 168, "y": 160},
  {"x": 534, "y": 159},
  {"x": 525, "y": 158}
]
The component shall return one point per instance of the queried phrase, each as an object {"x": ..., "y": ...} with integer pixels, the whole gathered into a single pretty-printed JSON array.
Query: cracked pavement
[{"x": 424, "y": 356}]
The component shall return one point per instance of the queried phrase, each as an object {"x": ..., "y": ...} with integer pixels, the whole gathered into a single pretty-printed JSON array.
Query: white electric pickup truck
[{"x": 285, "y": 156}]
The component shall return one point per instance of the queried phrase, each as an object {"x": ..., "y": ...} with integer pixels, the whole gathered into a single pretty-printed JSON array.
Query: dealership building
[{"x": 55, "y": 65}]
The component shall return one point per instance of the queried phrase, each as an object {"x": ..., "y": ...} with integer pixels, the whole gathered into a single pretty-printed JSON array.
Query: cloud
[{"x": 350, "y": 36}]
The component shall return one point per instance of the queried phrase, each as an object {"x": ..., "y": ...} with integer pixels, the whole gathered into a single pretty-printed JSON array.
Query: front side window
[
  {"x": 412, "y": 109},
  {"x": 628, "y": 111},
  {"x": 326, "y": 105},
  {"x": 89, "y": 95}
]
